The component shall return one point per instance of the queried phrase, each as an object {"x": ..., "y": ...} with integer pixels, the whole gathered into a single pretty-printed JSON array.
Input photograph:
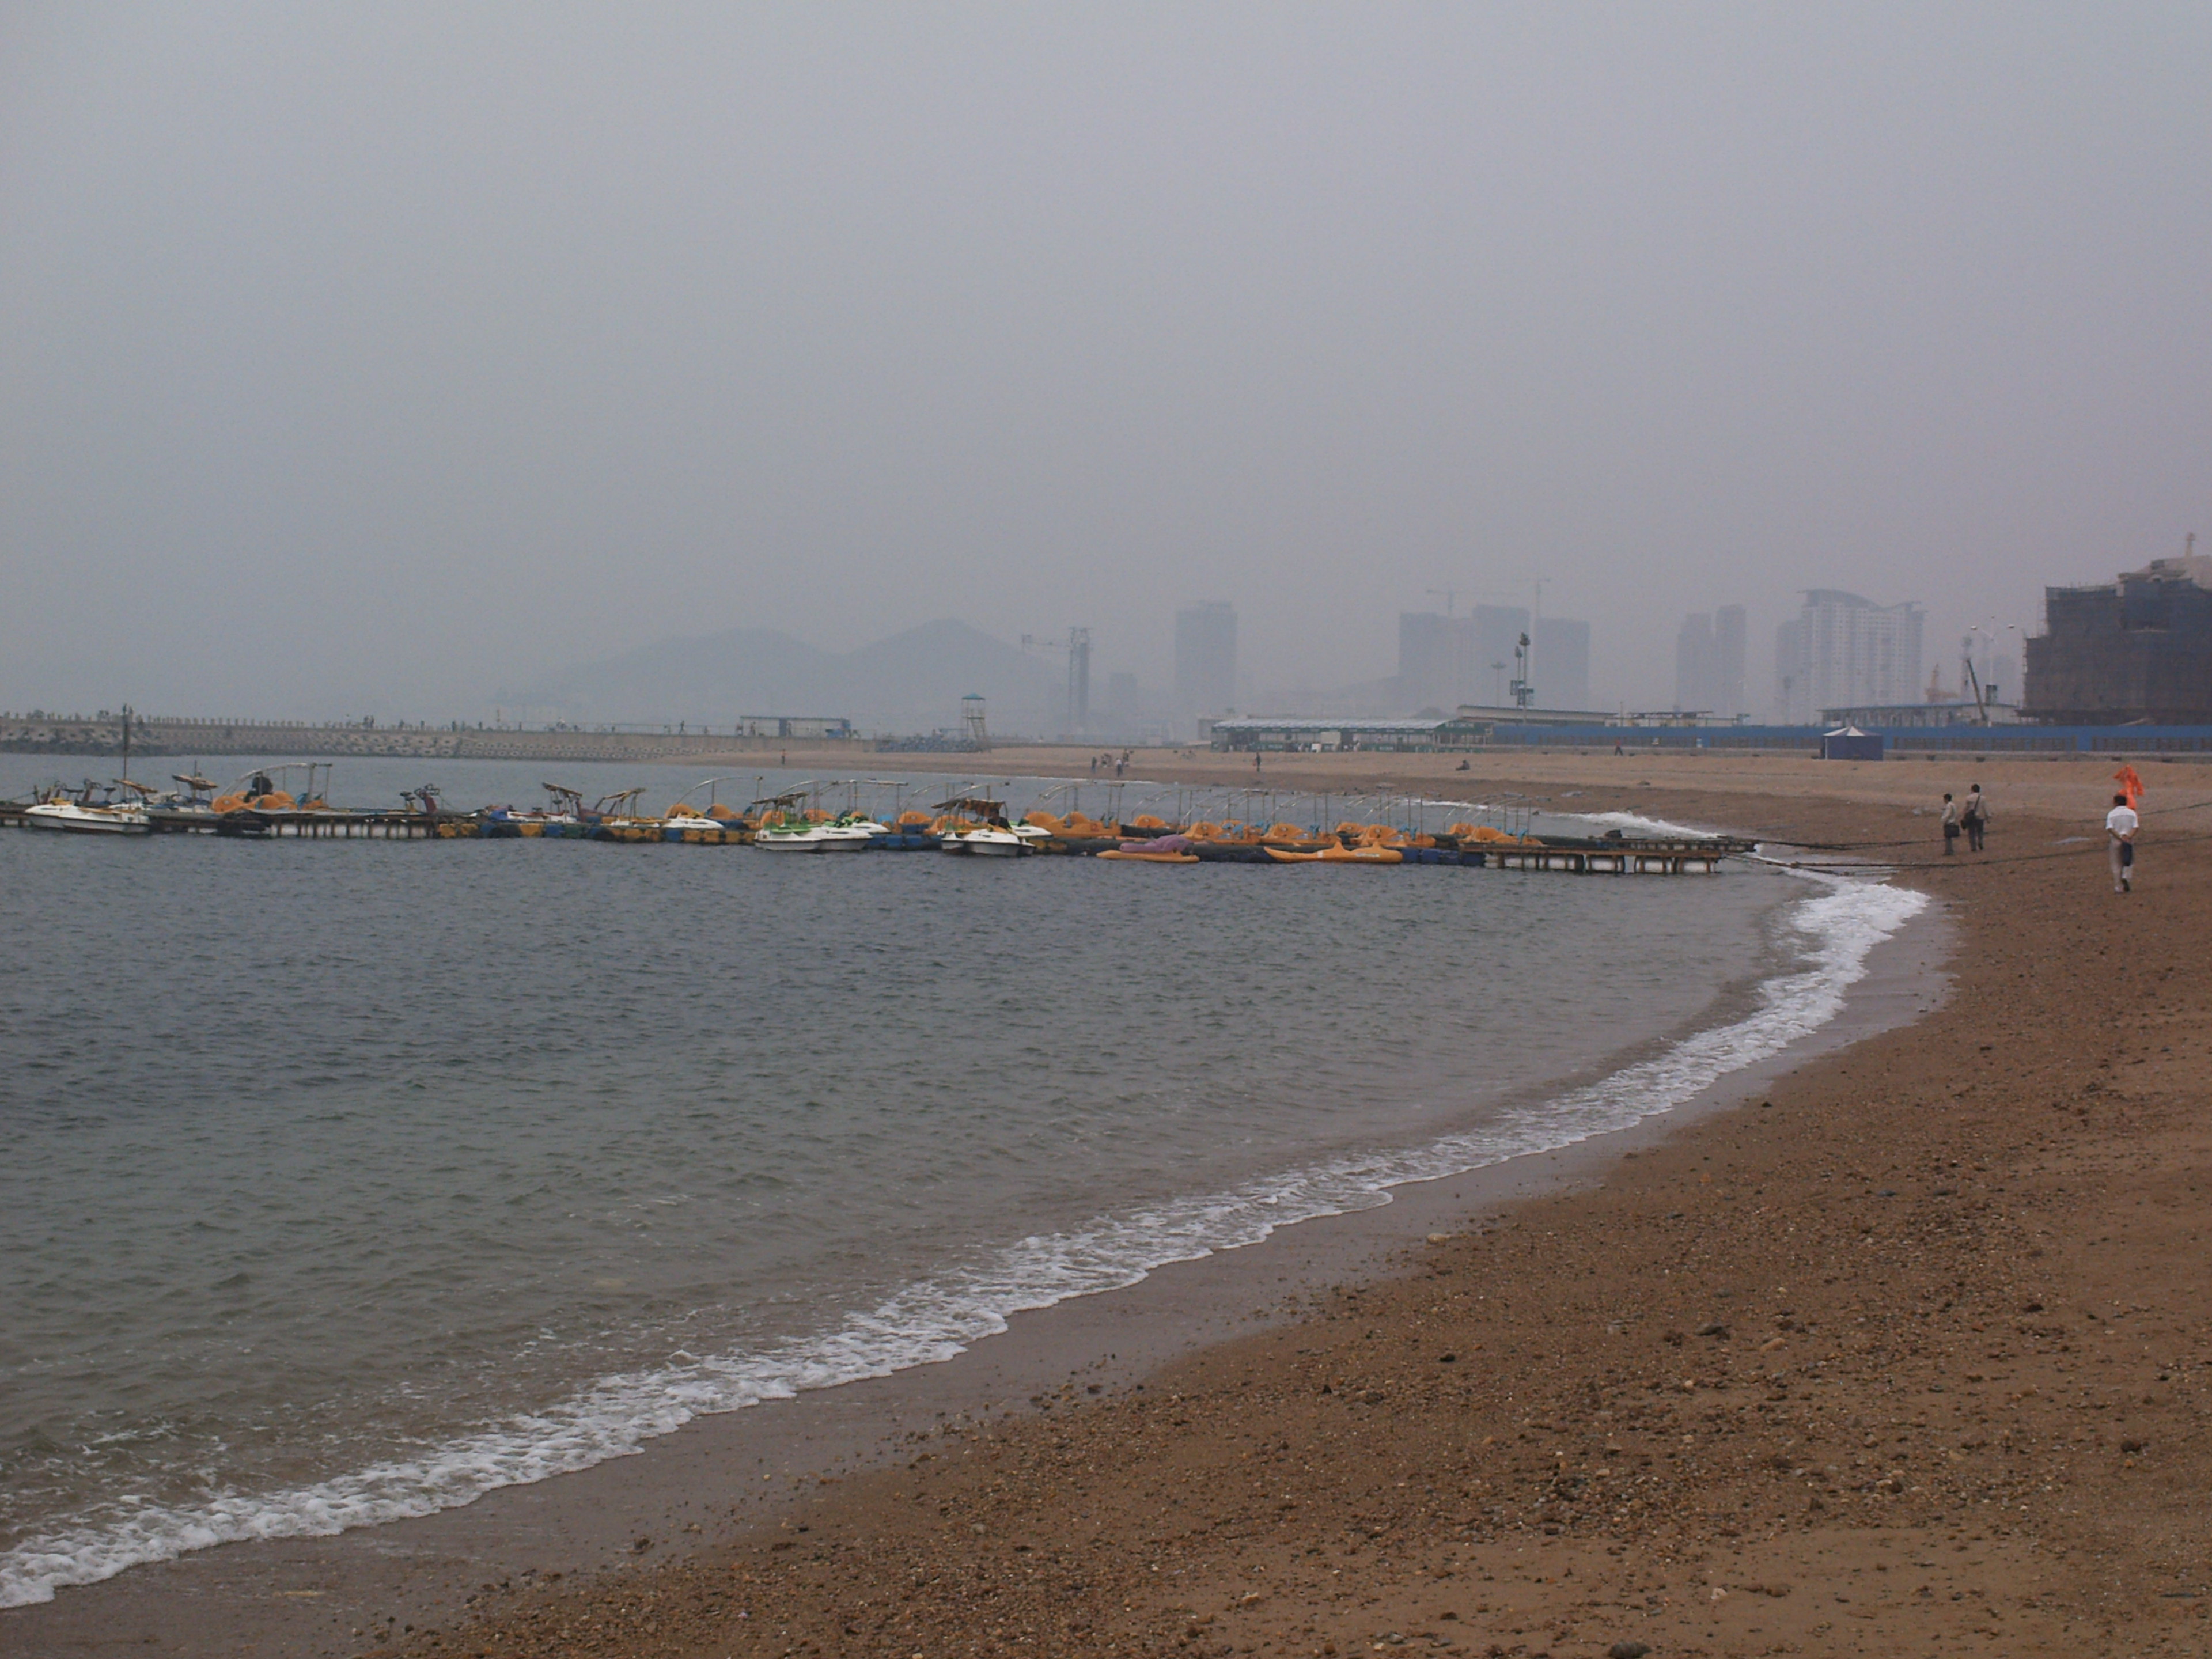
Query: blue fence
[{"x": 1973, "y": 739}]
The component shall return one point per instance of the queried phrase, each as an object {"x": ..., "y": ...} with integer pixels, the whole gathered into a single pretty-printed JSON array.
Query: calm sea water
[{"x": 347, "y": 1180}]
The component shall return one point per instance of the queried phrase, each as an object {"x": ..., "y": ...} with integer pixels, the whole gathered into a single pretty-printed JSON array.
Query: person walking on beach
[
  {"x": 1950, "y": 826},
  {"x": 1976, "y": 818},
  {"x": 2120, "y": 826}
]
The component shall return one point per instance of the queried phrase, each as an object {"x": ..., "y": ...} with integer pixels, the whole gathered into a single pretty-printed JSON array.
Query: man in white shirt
[{"x": 2120, "y": 825}]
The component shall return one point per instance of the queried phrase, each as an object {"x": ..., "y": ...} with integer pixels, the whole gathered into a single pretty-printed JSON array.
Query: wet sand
[{"x": 1787, "y": 1348}]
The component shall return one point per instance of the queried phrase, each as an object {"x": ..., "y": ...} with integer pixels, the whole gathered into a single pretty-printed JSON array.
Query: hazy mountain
[{"x": 911, "y": 682}]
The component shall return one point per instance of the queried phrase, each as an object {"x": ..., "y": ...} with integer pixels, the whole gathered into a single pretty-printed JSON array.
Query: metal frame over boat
[{"x": 978, "y": 827}]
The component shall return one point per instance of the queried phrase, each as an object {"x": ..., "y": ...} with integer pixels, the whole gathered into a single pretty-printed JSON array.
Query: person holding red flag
[{"x": 2131, "y": 787}]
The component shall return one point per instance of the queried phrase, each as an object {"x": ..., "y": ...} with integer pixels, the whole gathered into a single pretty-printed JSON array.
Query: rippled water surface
[{"x": 345, "y": 1180}]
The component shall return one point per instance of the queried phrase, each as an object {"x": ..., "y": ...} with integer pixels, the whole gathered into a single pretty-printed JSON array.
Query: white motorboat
[
  {"x": 978, "y": 827},
  {"x": 851, "y": 833},
  {"x": 996, "y": 841},
  {"x": 792, "y": 838},
  {"x": 126, "y": 818},
  {"x": 85, "y": 817}
]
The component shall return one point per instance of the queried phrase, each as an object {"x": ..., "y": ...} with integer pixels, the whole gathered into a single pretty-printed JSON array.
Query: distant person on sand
[
  {"x": 1950, "y": 826},
  {"x": 2120, "y": 826},
  {"x": 1976, "y": 818}
]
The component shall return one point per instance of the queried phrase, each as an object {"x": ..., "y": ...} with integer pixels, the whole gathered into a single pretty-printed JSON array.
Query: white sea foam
[
  {"x": 1633, "y": 823},
  {"x": 1636, "y": 824},
  {"x": 936, "y": 1318}
]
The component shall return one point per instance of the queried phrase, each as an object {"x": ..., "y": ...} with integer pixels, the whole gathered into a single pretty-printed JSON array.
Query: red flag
[{"x": 2130, "y": 785}]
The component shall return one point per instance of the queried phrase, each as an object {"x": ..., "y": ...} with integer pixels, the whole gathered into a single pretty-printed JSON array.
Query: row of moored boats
[{"x": 972, "y": 824}]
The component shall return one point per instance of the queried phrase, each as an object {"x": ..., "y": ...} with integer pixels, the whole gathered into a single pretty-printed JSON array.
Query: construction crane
[{"x": 1970, "y": 681}]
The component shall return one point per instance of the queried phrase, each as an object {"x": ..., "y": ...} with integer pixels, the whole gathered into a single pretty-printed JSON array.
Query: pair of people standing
[{"x": 1971, "y": 815}]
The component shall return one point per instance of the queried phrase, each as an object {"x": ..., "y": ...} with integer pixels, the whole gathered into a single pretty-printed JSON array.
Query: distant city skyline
[
  {"x": 1445, "y": 661},
  {"x": 380, "y": 359}
]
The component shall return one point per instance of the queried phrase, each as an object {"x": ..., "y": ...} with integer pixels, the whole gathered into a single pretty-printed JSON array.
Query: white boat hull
[
  {"x": 987, "y": 844},
  {"x": 805, "y": 843},
  {"x": 72, "y": 819}
]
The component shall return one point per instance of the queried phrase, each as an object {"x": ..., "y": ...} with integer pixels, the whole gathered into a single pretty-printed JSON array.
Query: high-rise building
[
  {"x": 2139, "y": 648},
  {"x": 1561, "y": 670},
  {"x": 1730, "y": 694},
  {"x": 1495, "y": 632},
  {"x": 2002, "y": 681},
  {"x": 1841, "y": 651},
  {"x": 1447, "y": 661},
  {"x": 1789, "y": 708},
  {"x": 1709, "y": 653},
  {"x": 1206, "y": 658},
  {"x": 1693, "y": 664},
  {"x": 1430, "y": 649}
]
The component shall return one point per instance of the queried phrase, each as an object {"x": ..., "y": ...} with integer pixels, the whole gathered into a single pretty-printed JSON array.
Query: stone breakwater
[{"x": 197, "y": 737}]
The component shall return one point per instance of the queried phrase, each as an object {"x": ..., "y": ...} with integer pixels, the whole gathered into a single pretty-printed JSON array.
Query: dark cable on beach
[
  {"x": 1881, "y": 865},
  {"x": 1917, "y": 841}
]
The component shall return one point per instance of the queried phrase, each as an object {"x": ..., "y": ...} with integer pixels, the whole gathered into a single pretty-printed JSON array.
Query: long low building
[
  {"x": 1321, "y": 735},
  {"x": 1913, "y": 716},
  {"x": 1325, "y": 736}
]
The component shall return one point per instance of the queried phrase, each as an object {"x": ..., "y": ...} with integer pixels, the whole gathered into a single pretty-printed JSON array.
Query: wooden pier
[
  {"x": 297, "y": 825},
  {"x": 293, "y": 825},
  {"x": 1622, "y": 857},
  {"x": 1610, "y": 856}
]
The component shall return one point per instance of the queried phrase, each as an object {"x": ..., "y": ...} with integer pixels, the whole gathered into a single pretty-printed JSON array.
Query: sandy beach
[{"x": 1899, "y": 1347}]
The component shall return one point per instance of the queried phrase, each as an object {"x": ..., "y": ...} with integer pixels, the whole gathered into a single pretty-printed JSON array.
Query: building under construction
[{"x": 2138, "y": 649}]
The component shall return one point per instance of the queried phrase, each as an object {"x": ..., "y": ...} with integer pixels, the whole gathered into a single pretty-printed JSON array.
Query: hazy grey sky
[{"x": 353, "y": 358}]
